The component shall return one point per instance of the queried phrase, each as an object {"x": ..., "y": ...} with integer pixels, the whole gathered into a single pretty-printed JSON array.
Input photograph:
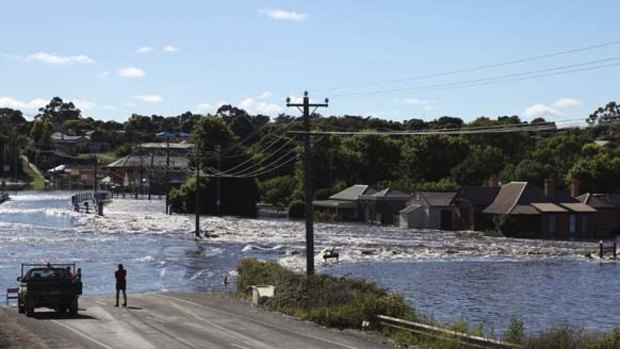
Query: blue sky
[{"x": 114, "y": 58}]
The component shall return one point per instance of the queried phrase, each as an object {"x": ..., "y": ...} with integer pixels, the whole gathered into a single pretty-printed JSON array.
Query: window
[
  {"x": 572, "y": 223},
  {"x": 552, "y": 226}
]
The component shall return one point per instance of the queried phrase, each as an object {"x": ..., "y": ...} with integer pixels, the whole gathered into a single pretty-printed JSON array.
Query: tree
[
  {"x": 369, "y": 158},
  {"x": 431, "y": 158},
  {"x": 598, "y": 173},
  {"x": 59, "y": 111},
  {"x": 277, "y": 191},
  {"x": 611, "y": 112},
  {"x": 479, "y": 165}
]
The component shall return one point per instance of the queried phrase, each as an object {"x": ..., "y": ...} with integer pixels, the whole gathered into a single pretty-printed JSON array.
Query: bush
[
  {"x": 328, "y": 301},
  {"x": 297, "y": 209},
  {"x": 323, "y": 194}
]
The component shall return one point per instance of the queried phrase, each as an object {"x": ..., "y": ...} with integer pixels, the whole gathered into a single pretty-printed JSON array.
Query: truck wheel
[
  {"x": 21, "y": 308},
  {"x": 73, "y": 307},
  {"x": 29, "y": 308}
]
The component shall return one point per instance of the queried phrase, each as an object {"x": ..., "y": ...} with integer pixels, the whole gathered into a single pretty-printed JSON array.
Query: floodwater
[{"x": 446, "y": 275}]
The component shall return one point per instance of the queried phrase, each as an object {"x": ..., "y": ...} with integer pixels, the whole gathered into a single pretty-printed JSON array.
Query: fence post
[
  {"x": 614, "y": 250},
  {"x": 600, "y": 249}
]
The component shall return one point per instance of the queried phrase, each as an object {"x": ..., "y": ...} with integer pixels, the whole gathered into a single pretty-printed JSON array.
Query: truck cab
[{"x": 56, "y": 286}]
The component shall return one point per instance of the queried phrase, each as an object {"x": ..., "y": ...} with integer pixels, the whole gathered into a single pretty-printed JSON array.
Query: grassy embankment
[
  {"x": 36, "y": 181},
  {"x": 348, "y": 303}
]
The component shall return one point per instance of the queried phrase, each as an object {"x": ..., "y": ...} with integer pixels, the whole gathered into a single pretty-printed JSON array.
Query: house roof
[
  {"x": 438, "y": 198},
  {"x": 410, "y": 208},
  {"x": 387, "y": 192},
  {"x": 548, "y": 207},
  {"x": 334, "y": 204},
  {"x": 526, "y": 198},
  {"x": 353, "y": 192},
  {"x": 136, "y": 161},
  {"x": 163, "y": 145},
  {"x": 479, "y": 196},
  {"x": 578, "y": 207},
  {"x": 595, "y": 200}
]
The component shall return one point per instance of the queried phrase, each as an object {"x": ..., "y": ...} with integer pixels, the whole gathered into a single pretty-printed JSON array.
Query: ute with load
[{"x": 55, "y": 286}]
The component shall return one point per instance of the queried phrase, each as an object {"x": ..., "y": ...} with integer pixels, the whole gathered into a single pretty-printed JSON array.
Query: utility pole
[
  {"x": 197, "y": 196},
  {"x": 95, "y": 183},
  {"x": 151, "y": 176},
  {"x": 141, "y": 172},
  {"x": 305, "y": 108},
  {"x": 167, "y": 174},
  {"x": 217, "y": 191}
]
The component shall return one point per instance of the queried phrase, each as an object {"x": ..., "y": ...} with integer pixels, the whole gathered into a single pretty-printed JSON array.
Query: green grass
[{"x": 36, "y": 181}]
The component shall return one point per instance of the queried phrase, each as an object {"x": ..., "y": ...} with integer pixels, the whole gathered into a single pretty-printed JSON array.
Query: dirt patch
[{"x": 13, "y": 335}]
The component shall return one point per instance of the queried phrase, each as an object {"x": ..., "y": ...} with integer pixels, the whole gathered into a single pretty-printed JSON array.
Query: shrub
[
  {"x": 297, "y": 209},
  {"x": 328, "y": 301}
]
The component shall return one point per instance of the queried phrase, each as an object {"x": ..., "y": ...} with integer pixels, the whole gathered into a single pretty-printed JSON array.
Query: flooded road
[{"x": 444, "y": 274}]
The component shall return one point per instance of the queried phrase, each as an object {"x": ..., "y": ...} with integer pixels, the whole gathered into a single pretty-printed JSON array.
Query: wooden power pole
[{"x": 305, "y": 108}]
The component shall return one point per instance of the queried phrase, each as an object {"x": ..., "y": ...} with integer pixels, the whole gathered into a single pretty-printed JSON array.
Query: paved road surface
[{"x": 178, "y": 320}]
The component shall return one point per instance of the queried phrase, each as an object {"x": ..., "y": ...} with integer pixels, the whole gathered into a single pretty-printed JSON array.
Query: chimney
[
  {"x": 494, "y": 181},
  {"x": 575, "y": 188},
  {"x": 549, "y": 188}
]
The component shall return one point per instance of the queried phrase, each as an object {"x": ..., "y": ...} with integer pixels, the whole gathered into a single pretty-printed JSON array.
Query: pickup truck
[{"x": 56, "y": 286}]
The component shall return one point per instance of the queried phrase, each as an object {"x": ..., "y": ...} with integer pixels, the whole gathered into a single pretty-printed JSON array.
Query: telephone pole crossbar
[{"x": 309, "y": 212}]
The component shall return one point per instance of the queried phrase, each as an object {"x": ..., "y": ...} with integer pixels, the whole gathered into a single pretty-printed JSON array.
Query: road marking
[
  {"x": 82, "y": 334},
  {"x": 100, "y": 302},
  {"x": 256, "y": 321}
]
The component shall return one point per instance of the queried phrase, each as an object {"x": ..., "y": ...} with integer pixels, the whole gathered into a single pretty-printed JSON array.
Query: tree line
[{"x": 410, "y": 163}]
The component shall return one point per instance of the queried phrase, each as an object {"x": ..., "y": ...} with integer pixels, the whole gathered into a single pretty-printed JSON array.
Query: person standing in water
[{"x": 121, "y": 284}]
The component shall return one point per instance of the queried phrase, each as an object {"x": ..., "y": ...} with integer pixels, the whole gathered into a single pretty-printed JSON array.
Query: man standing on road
[{"x": 121, "y": 284}]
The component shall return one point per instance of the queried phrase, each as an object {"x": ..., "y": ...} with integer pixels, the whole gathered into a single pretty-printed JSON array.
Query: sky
[{"x": 390, "y": 59}]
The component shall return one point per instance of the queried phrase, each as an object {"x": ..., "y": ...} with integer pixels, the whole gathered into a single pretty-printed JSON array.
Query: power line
[
  {"x": 495, "y": 79},
  {"x": 467, "y": 70}
]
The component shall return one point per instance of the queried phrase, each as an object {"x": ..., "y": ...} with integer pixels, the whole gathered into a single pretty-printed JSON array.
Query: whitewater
[{"x": 446, "y": 275}]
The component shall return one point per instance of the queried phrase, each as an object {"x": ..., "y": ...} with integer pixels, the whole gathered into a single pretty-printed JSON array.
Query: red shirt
[{"x": 120, "y": 276}]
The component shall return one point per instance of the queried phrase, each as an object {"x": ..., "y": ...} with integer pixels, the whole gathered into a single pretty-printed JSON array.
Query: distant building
[
  {"x": 71, "y": 176},
  {"x": 383, "y": 206},
  {"x": 144, "y": 172},
  {"x": 429, "y": 210},
  {"x": 344, "y": 205},
  {"x": 606, "y": 220},
  {"x": 533, "y": 213}
]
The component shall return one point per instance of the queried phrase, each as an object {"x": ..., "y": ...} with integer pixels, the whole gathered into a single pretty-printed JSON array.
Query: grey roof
[
  {"x": 410, "y": 208},
  {"x": 479, "y": 196},
  {"x": 172, "y": 145},
  {"x": 438, "y": 198},
  {"x": 387, "y": 192},
  {"x": 526, "y": 198},
  {"x": 595, "y": 200},
  {"x": 334, "y": 204},
  {"x": 578, "y": 207},
  {"x": 136, "y": 161},
  {"x": 353, "y": 192}
]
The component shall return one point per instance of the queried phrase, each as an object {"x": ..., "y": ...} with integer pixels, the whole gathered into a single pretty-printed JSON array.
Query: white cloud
[
  {"x": 567, "y": 103},
  {"x": 144, "y": 49},
  {"x": 51, "y": 58},
  {"x": 8, "y": 102},
  {"x": 265, "y": 95},
  {"x": 109, "y": 107},
  {"x": 206, "y": 106},
  {"x": 261, "y": 107},
  {"x": 426, "y": 104},
  {"x": 129, "y": 104},
  {"x": 170, "y": 48},
  {"x": 541, "y": 111},
  {"x": 149, "y": 98},
  {"x": 83, "y": 104},
  {"x": 131, "y": 72},
  {"x": 282, "y": 15}
]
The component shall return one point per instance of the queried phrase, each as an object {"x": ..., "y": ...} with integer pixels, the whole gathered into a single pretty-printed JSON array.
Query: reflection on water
[{"x": 446, "y": 274}]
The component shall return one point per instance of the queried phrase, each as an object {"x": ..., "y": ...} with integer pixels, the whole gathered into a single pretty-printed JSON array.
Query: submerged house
[
  {"x": 469, "y": 203},
  {"x": 429, "y": 210},
  {"x": 606, "y": 220},
  {"x": 343, "y": 205},
  {"x": 524, "y": 210},
  {"x": 383, "y": 206}
]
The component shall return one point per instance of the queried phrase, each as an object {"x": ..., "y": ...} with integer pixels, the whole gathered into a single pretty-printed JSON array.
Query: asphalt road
[{"x": 179, "y": 320}]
